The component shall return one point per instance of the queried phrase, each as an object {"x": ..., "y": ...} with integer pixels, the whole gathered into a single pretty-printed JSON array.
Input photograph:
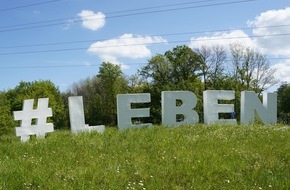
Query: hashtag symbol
[{"x": 26, "y": 116}]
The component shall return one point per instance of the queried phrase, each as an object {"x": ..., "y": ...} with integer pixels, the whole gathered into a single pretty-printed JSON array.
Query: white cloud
[
  {"x": 277, "y": 45},
  {"x": 224, "y": 39},
  {"x": 282, "y": 71},
  {"x": 272, "y": 22},
  {"x": 91, "y": 20},
  {"x": 126, "y": 46}
]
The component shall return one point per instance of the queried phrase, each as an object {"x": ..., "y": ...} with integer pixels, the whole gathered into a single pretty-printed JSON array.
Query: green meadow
[{"x": 187, "y": 157}]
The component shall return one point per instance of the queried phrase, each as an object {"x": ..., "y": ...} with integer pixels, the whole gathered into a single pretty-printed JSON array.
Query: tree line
[{"x": 182, "y": 68}]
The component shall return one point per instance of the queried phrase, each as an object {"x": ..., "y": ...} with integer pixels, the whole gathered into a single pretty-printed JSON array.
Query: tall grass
[{"x": 188, "y": 157}]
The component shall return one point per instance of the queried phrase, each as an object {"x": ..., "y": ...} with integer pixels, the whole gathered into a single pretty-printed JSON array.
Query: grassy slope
[{"x": 189, "y": 157}]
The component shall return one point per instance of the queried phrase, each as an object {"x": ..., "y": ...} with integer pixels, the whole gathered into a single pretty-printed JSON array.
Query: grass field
[{"x": 188, "y": 157}]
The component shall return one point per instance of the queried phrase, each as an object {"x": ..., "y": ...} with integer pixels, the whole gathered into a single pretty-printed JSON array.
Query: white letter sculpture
[
  {"x": 77, "y": 119},
  {"x": 41, "y": 113},
  {"x": 212, "y": 108},
  {"x": 125, "y": 113},
  {"x": 250, "y": 104},
  {"x": 170, "y": 110}
]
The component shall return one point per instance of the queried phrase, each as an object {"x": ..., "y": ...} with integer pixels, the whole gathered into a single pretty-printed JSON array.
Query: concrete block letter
[
  {"x": 212, "y": 108},
  {"x": 170, "y": 109},
  {"x": 125, "y": 113},
  {"x": 77, "y": 118},
  {"x": 251, "y": 106},
  {"x": 26, "y": 116}
]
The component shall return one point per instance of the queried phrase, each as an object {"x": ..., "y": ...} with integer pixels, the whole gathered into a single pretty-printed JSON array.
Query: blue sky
[{"x": 66, "y": 40}]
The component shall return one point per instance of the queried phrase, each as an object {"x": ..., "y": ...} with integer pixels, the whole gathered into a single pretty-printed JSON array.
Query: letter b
[{"x": 170, "y": 110}]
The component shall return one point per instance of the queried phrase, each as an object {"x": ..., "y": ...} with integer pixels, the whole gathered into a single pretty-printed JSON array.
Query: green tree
[
  {"x": 7, "y": 124},
  {"x": 283, "y": 102},
  {"x": 178, "y": 69},
  {"x": 158, "y": 71},
  {"x": 90, "y": 89},
  {"x": 185, "y": 62},
  {"x": 99, "y": 94},
  {"x": 213, "y": 59},
  {"x": 176, "y": 66},
  {"x": 250, "y": 69},
  {"x": 137, "y": 84},
  {"x": 113, "y": 83}
]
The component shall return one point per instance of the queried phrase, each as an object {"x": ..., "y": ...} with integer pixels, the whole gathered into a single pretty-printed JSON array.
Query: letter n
[{"x": 251, "y": 106}]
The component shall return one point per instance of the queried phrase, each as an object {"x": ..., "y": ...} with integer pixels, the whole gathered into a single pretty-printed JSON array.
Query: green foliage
[
  {"x": 185, "y": 64},
  {"x": 40, "y": 89},
  {"x": 251, "y": 69},
  {"x": 188, "y": 157},
  {"x": 99, "y": 94},
  {"x": 283, "y": 101},
  {"x": 7, "y": 123},
  {"x": 90, "y": 89},
  {"x": 175, "y": 70},
  {"x": 174, "y": 67},
  {"x": 112, "y": 83},
  {"x": 283, "y": 93}
]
